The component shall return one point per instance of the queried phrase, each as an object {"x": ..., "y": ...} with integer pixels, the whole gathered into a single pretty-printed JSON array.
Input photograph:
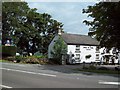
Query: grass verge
[
  {"x": 4, "y": 60},
  {"x": 100, "y": 71}
]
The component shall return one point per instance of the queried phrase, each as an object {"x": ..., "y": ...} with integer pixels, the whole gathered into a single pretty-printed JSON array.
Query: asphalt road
[{"x": 48, "y": 76}]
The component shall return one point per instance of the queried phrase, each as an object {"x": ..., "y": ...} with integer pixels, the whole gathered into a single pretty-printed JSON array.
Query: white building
[{"x": 80, "y": 48}]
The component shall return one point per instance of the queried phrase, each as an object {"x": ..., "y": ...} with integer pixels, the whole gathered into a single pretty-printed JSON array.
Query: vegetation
[
  {"x": 27, "y": 60},
  {"x": 105, "y": 25},
  {"x": 8, "y": 50},
  {"x": 59, "y": 50},
  {"x": 101, "y": 70},
  {"x": 3, "y": 60},
  {"x": 30, "y": 31}
]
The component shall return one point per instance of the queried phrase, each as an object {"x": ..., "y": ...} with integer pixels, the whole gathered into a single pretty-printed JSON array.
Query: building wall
[
  {"x": 88, "y": 50},
  {"x": 84, "y": 50},
  {"x": 79, "y": 55}
]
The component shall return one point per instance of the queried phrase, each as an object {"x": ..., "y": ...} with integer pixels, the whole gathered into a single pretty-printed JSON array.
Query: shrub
[
  {"x": 28, "y": 60},
  {"x": 33, "y": 60},
  {"x": 8, "y": 51},
  {"x": 19, "y": 58}
]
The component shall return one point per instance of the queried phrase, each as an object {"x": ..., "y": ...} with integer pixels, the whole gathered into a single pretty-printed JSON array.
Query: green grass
[
  {"x": 4, "y": 61},
  {"x": 100, "y": 71}
]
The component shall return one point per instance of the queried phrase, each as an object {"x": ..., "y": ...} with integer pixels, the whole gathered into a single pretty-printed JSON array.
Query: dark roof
[{"x": 76, "y": 39}]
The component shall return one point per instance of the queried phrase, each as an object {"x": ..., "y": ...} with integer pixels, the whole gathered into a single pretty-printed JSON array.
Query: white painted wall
[
  {"x": 84, "y": 50},
  {"x": 88, "y": 50},
  {"x": 71, "y": 48}
]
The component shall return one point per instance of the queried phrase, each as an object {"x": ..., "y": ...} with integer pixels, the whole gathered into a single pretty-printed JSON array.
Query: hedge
[{"x": 8, "y": 50}]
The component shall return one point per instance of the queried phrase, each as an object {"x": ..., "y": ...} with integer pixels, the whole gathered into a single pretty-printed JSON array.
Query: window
[
  {"x": 88, "y": 47},
  {"x": 77, "y": 47},
  {"x": 77, "y": 56},
  {"x": 97, "y": 48},
  {"x": 84, "y": 47},
  {"x": 97, "y": 56},
  {"x": 91, "y": 47}
]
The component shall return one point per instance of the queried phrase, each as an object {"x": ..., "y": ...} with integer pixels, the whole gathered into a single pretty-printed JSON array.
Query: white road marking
[
  {"x": 29, "y": 72},
  {"x": 3, "y": 86},
  {"x": 106, "y": 82}
]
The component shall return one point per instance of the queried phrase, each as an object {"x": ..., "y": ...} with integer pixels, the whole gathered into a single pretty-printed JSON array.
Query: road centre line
[
  {"x": 106, "y": 82},
  {"x": 29, "y": 72},
  {"x": 4, "y": 86}
]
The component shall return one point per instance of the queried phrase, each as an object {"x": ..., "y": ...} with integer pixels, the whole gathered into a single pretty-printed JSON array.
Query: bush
[
  {"x": 28, "y": 60},
  {"x": 33, "y": 60},
  {"x": 39, "y": 57},
  {"x": 8, "y": 51},
  {"x": 19, "y": 58}
]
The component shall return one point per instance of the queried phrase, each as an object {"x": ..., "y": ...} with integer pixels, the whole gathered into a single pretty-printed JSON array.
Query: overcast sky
[{"x": 69, "y": 13}]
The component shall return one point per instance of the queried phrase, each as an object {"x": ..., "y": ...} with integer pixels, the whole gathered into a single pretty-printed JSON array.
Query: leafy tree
[
  {"x": 49, "y": 27},
  {"x": 105, "y": 26},
  {"x": 30, "y": 31},
  {"x": 13, "y": 18},
  {"x": 59, "y": 49}
]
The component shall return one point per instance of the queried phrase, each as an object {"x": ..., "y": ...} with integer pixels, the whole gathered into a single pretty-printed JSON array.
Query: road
[{"x": 49, "y": 76}]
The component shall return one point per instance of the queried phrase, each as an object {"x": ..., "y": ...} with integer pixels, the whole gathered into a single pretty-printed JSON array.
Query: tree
[
  {"x": 14, "y": 23},
  {"x": 30, "y": 31},
  {"x": 105, "y": 26},
  {"x": 50, "y": 27},
  {"x": 13, "y": 18},
  {"x": 59, "y": 49}
]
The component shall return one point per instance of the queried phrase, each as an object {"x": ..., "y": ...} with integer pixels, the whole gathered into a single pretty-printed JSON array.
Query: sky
[{"x": 69, "y": 13}]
